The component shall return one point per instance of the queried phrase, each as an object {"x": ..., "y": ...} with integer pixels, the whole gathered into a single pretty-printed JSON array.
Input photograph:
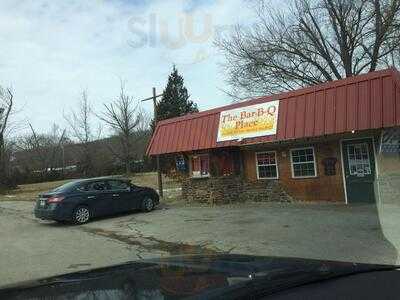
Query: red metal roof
[{"x": 367, "y": 101}]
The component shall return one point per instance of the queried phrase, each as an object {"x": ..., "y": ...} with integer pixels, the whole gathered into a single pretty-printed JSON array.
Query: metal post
[{"x": 159, "y": 175}]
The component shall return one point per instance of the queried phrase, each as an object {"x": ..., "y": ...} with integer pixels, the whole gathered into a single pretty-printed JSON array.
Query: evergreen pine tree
[{"x": 175, "y": 100}]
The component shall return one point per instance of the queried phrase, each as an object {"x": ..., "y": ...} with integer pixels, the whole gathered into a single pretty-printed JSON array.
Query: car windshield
[{"x": 137, "y": 130}]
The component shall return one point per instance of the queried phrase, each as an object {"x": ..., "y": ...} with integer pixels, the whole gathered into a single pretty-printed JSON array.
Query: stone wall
[{"x": 232, "y": 189}]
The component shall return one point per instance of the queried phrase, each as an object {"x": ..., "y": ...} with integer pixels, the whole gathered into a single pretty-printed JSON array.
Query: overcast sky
[{"x": 51, "y": 50}]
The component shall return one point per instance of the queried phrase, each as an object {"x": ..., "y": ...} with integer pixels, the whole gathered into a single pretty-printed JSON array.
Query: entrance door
[{"x": 359, "y": 169}]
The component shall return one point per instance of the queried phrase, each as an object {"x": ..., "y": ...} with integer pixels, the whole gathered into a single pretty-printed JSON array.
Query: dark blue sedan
[{"x": 81, "y": 200}]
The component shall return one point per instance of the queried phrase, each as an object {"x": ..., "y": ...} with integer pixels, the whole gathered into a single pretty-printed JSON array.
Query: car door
[
  {"x": 137, "y": 195},
  {"x": 99, "y": 198},
  {"x": 121, "y": 195}
]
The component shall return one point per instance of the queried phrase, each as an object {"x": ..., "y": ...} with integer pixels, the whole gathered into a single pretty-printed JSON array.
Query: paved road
[{"x": 31, "y": 249}]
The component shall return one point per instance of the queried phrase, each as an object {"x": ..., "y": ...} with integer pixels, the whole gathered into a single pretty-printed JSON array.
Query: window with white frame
[
  {"x": 267, "y": 167},
  {"x": 303, "y": 162},
  {"x": 359, "y": 162}
]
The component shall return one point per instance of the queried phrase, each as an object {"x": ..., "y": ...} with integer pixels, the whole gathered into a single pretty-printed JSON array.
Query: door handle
[
  {"x": 91, "y": 197},
  {"x": 115, "y": 195}
]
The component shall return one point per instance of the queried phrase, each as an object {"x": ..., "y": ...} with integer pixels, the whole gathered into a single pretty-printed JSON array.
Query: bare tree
[
  {"x": 80, "y": 123},
  {"x": 310, "y": 42},
  {"x": 6, "y": 106},
  {"x": 124, "y": 117},
  {"x": 56, "y": 141},
  {"x": 145, "y": 121},
  {"x": 43, "y": 152}
]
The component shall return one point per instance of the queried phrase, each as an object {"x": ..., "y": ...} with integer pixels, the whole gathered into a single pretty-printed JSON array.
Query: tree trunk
[
  {"x": 127, "y": 167},
  {"x": 3, "y": 174},
  {"x": 127, "y": 155}
]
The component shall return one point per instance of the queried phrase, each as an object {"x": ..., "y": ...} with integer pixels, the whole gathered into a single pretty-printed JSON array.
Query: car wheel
[
  {"x": 147, "y": 204},
  {"x": 81, "y": 215}
]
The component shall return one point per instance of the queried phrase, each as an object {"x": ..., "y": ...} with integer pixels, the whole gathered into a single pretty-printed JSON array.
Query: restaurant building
[{"x": 335, "y": 141}]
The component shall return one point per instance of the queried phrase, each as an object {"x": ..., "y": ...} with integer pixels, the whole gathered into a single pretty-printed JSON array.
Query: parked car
[{"x": 81, "y": 200}]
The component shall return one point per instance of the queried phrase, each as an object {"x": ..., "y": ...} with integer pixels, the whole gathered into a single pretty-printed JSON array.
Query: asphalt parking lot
[{"x": 32, "y": 248}]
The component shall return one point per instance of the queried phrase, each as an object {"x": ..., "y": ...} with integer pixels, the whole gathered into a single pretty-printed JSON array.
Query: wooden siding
[{"x": 320, "y": 188}]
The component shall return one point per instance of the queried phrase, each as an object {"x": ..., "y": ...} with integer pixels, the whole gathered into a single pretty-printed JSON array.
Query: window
[
  {"x": 95, "y": 186},
  {"x": 225, "y": 164},
  {"x": 267, "y": 165},
  {"x": 359, "y": 163},
  {"x": 200, "y": 165},
  {"x": 118, "y": 185},
  {"x": 303, "y": 162}
]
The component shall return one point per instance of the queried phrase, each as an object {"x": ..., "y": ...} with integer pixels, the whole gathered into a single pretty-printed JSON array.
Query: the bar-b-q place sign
[{"x": 249, "y": 121}]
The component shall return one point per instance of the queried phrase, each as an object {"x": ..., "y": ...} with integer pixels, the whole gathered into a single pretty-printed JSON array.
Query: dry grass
[
  {"x": 29, "y": 192},
  {"x": 150, "y": 180},
  {"x": 172, "y": 192}
]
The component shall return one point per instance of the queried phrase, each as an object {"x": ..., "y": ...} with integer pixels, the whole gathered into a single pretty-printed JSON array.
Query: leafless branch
[
  {"x": 80, "y": 123},
  {"x": 6, "y": 107},
  {"x": 310, "y": 42},
  {"x": 125, "y": 118},
  {"x": 43, "y": 150}
]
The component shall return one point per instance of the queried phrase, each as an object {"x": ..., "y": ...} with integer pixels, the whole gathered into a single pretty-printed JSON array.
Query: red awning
[{"x": 368, "y": 101}]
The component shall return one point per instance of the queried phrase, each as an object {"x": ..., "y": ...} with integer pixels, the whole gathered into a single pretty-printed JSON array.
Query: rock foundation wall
[{"x": 224, "y": 190}]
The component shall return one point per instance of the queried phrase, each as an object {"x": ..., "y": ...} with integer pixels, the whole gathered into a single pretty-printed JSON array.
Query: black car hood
[{"x": 178, "y": 277}]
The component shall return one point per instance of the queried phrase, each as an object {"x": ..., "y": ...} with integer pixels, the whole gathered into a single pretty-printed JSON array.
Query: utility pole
[{"x": 159, "y": 175}]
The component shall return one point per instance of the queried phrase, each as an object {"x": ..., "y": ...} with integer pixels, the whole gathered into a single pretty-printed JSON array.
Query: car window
[
  {"x": 65, "y": 187},
  {"x": 118, "y": 185},
  {"x": 95, "y": 186}
]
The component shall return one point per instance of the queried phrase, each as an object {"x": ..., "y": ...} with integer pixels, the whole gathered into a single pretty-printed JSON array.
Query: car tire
[
  {"x": 148, "y": 204},
  {"x": 81, "y": 215}
]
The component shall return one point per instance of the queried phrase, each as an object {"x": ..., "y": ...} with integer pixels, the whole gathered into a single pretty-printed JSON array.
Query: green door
[{"x": 359, "y": 169}]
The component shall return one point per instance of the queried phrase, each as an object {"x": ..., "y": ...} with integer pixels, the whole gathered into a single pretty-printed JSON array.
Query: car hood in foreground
[{"x": 214, "y": 276}]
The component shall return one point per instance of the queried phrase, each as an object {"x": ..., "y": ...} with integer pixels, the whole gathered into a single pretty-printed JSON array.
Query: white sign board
[{"x": 248, "y": 122}]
